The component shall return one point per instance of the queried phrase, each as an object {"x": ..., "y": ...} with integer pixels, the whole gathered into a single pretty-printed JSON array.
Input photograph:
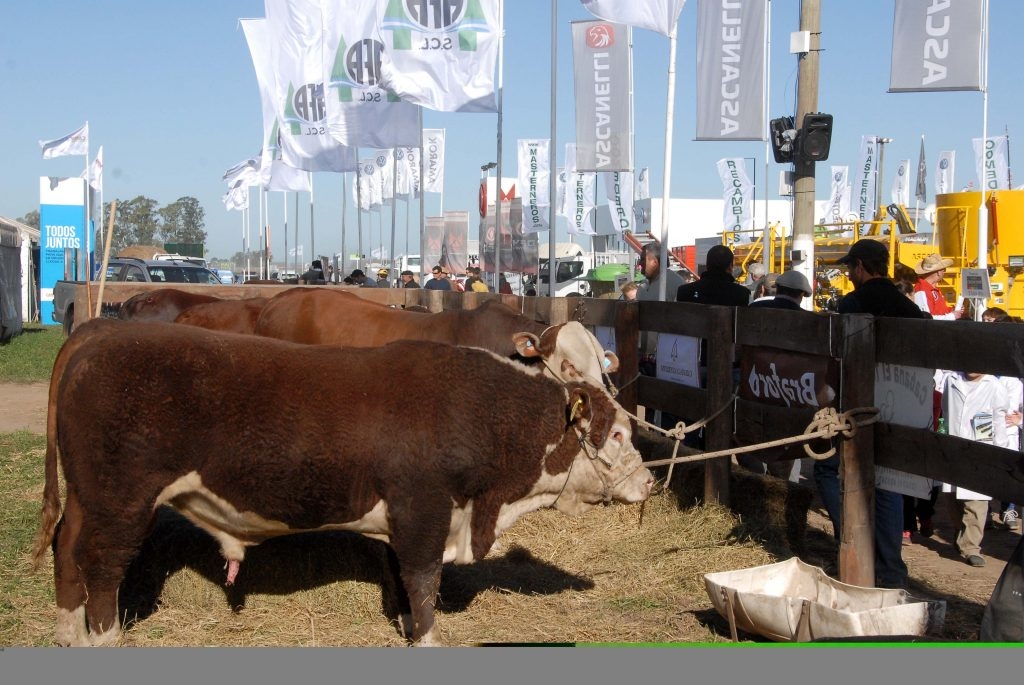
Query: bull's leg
[
  {"x": 418, "y": 535},
  {"x": 401, "y": 597},
  {"x": 68, "y": 583},
  {"x": 422, "y": 585}
]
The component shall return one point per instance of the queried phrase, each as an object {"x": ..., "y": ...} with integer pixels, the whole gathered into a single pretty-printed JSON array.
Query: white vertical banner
[
  {"x": 603, "y": 78},
  {"x": 993, "y": 161},
  {"x": 581, "y": 198},
  {"x": 945, "y": 172},
  {"x": 560, "y": 185},
  {"x": 864, "y": 196},
  {"x": 936, "y": 45},
  {"x": 901, "y": 183},
  {"x": 384, "y": 160},
  {"x": 359, "y": 111},
  {"x": 364, "y": 184},
  {"x": 407, "y": 170},
  {"x": 839, "y": 197},
  {"x": 643, "y": 184},
  {"x": 433, "y": 160},
  {"x": 441, "y": 55},
  {"x": 737, "y": 190},
  {"x": 618, "y": 188},
  {"x": 731, "y": 70},
  {"x": 533, "y": 178}
]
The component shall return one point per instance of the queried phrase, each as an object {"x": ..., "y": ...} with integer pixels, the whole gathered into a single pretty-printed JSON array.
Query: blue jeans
[{"x": 890, "y": 570}]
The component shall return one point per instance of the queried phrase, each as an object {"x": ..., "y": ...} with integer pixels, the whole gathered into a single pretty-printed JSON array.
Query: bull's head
[{"x": 569, "y": 352}]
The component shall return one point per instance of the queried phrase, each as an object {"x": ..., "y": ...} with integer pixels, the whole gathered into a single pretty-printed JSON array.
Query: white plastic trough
[{"x": 791, "y": 601}]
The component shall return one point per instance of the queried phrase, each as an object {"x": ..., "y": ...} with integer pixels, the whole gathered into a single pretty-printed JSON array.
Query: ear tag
[
  {"x": 576, "y": 407},
  {"x": 607, "y": 362},
  {"x": 529, "y": 343}
]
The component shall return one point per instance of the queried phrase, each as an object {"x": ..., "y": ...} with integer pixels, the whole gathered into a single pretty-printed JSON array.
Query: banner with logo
[
  {"x": 936, "y": 46},
  {"x": 618, "y": 188},
  {"x": 441, "y": 55},
  {"x": 945, "y": 172},
  {"x": 561, "y": 182},
  {"x": 738, "y": 191},
  {"x": 839, "y": 198},
  {"x": 731, "y": 70},
  {"x": 580, "y": 195},
  {"x": 602, "y": 65},
  {"x": 534, "y": 176},
  {"x": 433, "y": 241},
  {"x": 365, "y": 185},
  {"x": 901, "y": 183},
  {"x": 360, "y": 112},
  {"x": 62, "y": 236},
  {"x": 454, "y": 248},
  {"x": 433, "y": 160},
  {"x": 643, "y": 185},
  {"x": 903, "y": 395},
  {"x": 407, "y": 169},
  {"x": 384, "y": 160},
  {"x": 864, "y": 190},
  {"x": 74, "y": 143},
  {"x": 518, "y": 249},
  {"x": 921, "y": 191},
  {"x": 292, "y": 53},
  {"x": 993, "y": 161},
  {"x": 655, "y": 15}
]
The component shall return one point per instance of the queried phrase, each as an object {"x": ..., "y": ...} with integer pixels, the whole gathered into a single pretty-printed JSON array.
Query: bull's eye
[{"x": 618, "y": 436}]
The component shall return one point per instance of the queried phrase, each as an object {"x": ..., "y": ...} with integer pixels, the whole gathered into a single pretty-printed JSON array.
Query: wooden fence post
[
  {"x": 856, "y": 456},
  {"x": 627, "y": 349},
  {"x": 718, "y": 432}
]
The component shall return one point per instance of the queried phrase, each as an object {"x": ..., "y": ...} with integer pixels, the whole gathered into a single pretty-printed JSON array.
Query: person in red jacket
[{"x": 930, "y": 272}]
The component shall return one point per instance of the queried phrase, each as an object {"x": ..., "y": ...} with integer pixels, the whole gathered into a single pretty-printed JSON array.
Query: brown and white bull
[
  {"x": 335, "y": 317},
  {"x": 438, "y": 481}
]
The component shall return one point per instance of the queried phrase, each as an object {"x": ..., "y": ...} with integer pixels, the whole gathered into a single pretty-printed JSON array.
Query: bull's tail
[{"x": 50, "y": 513}]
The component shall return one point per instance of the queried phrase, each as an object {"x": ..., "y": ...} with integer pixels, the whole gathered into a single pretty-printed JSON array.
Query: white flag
[
  {"x": 945, "y": 172},
  {"x": 580, "y": 195},
  {"x": 294, "y": 29},
  {"x": 366, "y": 187},
  {"x": 534, "y": 177},
  {"x": 95, "y": 173},
  {"x": 993, "y": 160},
  {"x": 76, "y": 143},
  {"x": 441, "y": 55},
  {"x": 407, "y": 170},
  {"x": 737, "y": 216},
  {"x": 839, "y": 200},
  {"x": 360, "y": 112},
  {"x": 385, "y": 163},
  {"x": 865, "y": 179},
  {"x": 237, "y": 198},
  {"x": 901, "y": 183},
  {"x": 618, "y": 188},
  {"x": 247, "y": 171},
  {"x": 643, "y": 185},
  {"x": 655, "y": 15},
  {"x": 433, "y": 160},
  {"x": 560, "y": 183}
]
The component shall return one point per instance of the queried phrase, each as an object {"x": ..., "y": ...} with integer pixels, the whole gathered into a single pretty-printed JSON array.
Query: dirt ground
[{"x": 936, "y": 571}]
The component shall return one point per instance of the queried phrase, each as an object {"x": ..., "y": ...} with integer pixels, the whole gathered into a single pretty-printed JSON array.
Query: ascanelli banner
[
  {"x": 936, "y": 46},
  {"x": 602, "y": 66},
  {"x": 731, "y": 70}
]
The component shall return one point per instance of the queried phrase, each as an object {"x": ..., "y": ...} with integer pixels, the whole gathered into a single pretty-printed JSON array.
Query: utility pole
[{"x": 803, "y": 170}]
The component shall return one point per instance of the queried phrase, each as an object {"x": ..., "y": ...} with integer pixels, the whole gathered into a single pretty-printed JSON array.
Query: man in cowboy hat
[{"x": 930, "y": 272}]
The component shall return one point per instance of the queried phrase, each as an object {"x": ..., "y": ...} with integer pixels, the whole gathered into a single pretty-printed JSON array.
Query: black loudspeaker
[
  {"x": 782, "y": 135},
  {"x": 815, "y": 137}
]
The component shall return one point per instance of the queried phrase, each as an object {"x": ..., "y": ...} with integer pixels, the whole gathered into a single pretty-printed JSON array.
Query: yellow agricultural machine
[{"x": 954, "y": 236}]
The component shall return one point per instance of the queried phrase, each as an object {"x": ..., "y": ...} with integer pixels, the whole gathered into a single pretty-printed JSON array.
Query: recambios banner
[
  {"x": 737, "y": 191},
  {"x": 359, "y": 111},
  {"x": 936, "y": 46},
  {"x": 602, "y": 66},
  {"x": 731, "y": 70}
]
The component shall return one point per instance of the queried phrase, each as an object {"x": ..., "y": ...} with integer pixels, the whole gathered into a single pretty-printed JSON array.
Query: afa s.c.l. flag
[
  {"x": 654, "y": 15},
  {"x": 731, "y": 42},
  {"x": 936, "y": 46},
  {"x": 74, "y": 143},
  {"x": 441, "y": 55},
  {"x": 358, "y": 110}
]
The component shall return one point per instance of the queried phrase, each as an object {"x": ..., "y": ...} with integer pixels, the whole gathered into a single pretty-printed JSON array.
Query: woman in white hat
[{"x": 930, "y": 272}]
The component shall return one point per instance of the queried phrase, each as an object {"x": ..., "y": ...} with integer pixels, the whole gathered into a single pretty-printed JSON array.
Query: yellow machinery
[{"x": 955, "y": 236}]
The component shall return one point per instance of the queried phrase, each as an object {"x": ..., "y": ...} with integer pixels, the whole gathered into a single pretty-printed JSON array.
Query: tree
[
  {"x": 31, "y": 219},
  {"x": 183, "y": 221},
  {"x": 137, "y": 223}
]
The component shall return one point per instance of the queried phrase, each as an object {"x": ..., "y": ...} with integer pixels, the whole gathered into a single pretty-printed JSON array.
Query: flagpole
[
  {"x": 666, "y": 184},
  {"x": 394, "y": 211},
  {"x": 299, "y": 270},
  {"x": 423, "y": 264},
  {"x": 552, "y": 159},
  {"x": 766, "y": 242},
  {"x": 359, "y": 212},
  {"x": 982, "y": 209},
  {"x": 88, "y": 213},
  {"x": 344, "y": 210},
  {"x": 312, "y": 244},
  {"x": 497, "y": 194},
  {"x": 284, "y": 216}
]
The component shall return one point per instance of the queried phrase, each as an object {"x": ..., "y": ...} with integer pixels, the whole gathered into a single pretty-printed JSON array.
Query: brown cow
[
  {"x": 231, "y": 316},
  {"x": 332, "y": 317},
  {"x": 162, "y": 304},
  {"x": 439, "y": 483}
]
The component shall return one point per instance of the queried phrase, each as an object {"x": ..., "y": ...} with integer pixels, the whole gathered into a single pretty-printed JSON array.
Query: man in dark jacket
[
  {"x": 716, "y": 285},
  {"x": 790, "y": 288},
  {"x": 867, "y": 265}
]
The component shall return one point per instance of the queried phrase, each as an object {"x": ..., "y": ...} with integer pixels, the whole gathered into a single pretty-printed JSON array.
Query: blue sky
[{"x": 170, "y": 93}]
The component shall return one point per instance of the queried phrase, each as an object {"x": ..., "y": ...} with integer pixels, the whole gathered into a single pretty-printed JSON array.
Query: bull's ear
[
  {"x": 527, "y": 344},
  {"x": 579, "y": 409},
  {"x": 611, "y": 362}
]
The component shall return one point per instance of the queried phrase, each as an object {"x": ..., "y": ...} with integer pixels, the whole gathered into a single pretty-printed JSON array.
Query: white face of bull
[{"x": 576, "y": 354}]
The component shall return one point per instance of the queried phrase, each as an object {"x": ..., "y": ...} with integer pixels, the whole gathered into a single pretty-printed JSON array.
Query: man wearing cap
[
  {"x": 409, "y": 280},
  {"x": 360, "y": 279},
  {"x": 930, "y": 272},
  {"x": 867, "y": 267},
  {"x": 790, "y": 288},
  {"x": 439, "y": 279},
  {"x": 382, "y": 278}
]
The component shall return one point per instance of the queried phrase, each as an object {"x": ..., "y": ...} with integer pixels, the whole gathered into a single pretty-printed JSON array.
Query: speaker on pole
[
  {"x": 815, "y": 137},
  {"x": 782, "y": 137}
]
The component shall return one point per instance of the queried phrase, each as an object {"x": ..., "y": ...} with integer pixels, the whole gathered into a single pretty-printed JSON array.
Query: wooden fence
[{"x": 856, "y": 343}]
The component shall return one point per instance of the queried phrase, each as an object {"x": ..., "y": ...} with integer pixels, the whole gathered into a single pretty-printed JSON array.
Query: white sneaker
[{"x": 1011, "y": 519}]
